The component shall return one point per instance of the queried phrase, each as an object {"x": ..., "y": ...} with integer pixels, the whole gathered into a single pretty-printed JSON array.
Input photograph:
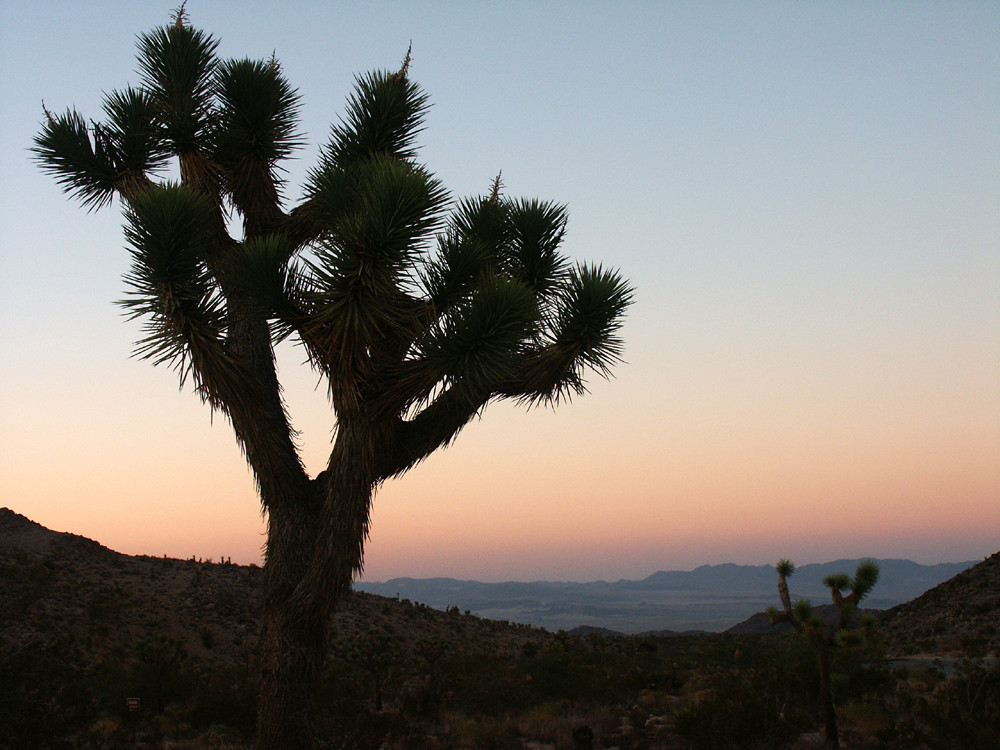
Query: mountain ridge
[
  {"x": 707, "y": 567},
  {"x": 708, "y": 598}
]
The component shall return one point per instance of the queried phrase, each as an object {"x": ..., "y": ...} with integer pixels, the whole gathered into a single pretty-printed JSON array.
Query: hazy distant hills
[{"x": 710, "y": 598}]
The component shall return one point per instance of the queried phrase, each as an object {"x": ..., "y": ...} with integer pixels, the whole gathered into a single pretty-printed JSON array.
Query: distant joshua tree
[
  {"x": 161, "y": 657},
  {"x": 824, "y": 636},
  {"x": 376, "y": 652},
  {"x": 418, "y": 311}
]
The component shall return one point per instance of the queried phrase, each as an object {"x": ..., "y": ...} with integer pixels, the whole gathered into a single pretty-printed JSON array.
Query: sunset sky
[{"x": 806, "y": 197}]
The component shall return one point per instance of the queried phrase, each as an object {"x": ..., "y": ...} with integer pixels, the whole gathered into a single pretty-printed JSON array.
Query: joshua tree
[
  {"x": 376, "y": 652},
  {"x": 160, "y": 657},
  {"x": 416, "y": 310},
  {"x": 821, "y": 635}
]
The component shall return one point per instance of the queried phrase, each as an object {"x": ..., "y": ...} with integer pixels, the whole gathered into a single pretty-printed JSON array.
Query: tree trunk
[
  {"x": 293, "y": 642},
  {"x": 826, "y": 697},
  {"x": 292, "y": 659},
  {"x": 315, "y": 544}
]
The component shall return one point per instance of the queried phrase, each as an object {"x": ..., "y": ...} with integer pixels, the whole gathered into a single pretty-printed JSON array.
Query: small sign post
[{"x": 133, "y": 704}]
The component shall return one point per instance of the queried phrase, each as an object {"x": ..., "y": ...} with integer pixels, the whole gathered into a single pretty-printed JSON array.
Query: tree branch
[{"x": 434, "y": 427}]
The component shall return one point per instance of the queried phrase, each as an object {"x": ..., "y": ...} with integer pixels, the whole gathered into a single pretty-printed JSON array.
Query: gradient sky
[{"x": 805, "y": 195}]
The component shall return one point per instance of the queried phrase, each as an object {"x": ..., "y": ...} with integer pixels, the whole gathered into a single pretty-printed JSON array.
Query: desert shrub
[
  {"x": 963, "y": 712},
  {"x": 868, "y": 719},
  {"x": 221, "y": 736},
  {"x": 156, "y": 672},
  {"x": 976, "y": 643},
  {"x": 478, "y": 733},
  {"x": 765, "y": 697},
  {"x": 40, "y": 696},
  {"x": 380, "y": 654},
  {"x": 494, "y": 735},
  {"x": 106, "y": 605},
  {"x": 732, "y": 718},
  {"x": 859, "y": 674},
  {"x": 344, "y": 690},
  {"x": 560, "y": 674},
  {"x": 553, "y": 723},
  {"x": 25, "y": 580},
  {"x": 364, "y": 730},
  {"x": 598, "y": 670},
  {"x": 483, "y": 684},
  {"x": 225, "y": 697}
]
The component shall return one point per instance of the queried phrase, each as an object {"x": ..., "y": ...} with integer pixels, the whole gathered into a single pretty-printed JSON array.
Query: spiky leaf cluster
[{"x": 418, "y": 311}]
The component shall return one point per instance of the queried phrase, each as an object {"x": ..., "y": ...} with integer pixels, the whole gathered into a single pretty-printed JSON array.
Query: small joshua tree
[
  {"x": 377, "y": 652},
  {"x": 822, "y": 635}
]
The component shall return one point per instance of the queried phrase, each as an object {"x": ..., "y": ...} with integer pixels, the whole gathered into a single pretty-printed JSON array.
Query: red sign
[{"x": 133, "y": 704}]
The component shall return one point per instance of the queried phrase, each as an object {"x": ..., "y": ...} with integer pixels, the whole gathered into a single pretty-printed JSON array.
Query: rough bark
[
  {"x": 826, "y": 697},
  {"x": 292, "y": 649},
  {"x": 786, "y": 601},
  {"x": 292, "y": 658},
  {"x": 315, "y": 546}
]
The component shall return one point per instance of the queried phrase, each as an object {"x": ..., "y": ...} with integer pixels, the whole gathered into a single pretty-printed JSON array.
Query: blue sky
[{"x": 805, "y": 195}]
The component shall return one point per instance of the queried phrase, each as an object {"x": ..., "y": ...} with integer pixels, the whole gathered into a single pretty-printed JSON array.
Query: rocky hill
[
  {"x": 99, "y": 603},
  {"x": 961, "y": 615}
]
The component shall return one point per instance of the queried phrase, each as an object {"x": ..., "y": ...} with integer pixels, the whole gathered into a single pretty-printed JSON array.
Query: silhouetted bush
[
  {"x": 963, "y": 713},
  {"x": 733, "y": 718},
  {"x": 226, "y": 697},
  {"x": 42, "y": 698},
  {"x": 761, "y": 693}
]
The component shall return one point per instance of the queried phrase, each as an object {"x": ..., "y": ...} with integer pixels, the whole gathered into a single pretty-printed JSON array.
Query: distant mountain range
[{"x": 710, "y": 598}]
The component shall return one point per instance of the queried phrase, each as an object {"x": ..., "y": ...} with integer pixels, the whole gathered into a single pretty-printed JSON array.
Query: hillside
[
  {"x": 84, "y": 628},
  {"x": 102, "y": 602},
  {"x": 961, "y": 615}
]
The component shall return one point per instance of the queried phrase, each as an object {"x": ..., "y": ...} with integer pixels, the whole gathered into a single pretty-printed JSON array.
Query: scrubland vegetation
[
  {"x": 83, "y": 629},
  {"x": 419, "y": 678}
]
